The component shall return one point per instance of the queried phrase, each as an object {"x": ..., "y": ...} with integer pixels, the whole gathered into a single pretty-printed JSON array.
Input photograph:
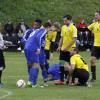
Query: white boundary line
[{"x": 8, "y": 93}]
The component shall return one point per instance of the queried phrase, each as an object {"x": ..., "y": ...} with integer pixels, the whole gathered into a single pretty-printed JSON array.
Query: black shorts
[
  {"x": 65, "y": 56},
  {"x": 47, "y": 52},
  {"x": 96, "y": 52},
  {"x": 2, "y": 61},
  {"x": 81, "y": 74}
]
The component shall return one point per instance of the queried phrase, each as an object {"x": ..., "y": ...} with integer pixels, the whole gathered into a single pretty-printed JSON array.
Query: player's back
[{"x": 34, "y": 40}]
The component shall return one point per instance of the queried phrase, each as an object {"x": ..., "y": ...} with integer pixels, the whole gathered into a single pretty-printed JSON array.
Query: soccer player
[
  {"x": 54, "y": 72},
  {"x": 33, "y": 50},
  {"x": 47, "y": 48},
  {"x": 95, "y": 54},
  {"x": 36, "y": 25},
  {"x": 2, "y": 60},
  {"x": 78, "y": 68},
  {"x": 67, "y": 41}
]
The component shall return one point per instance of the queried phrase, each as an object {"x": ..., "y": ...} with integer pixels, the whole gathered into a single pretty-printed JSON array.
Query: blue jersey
[
  {"x": 34, "y": 40},
  {"x": 26, "y": 35}
]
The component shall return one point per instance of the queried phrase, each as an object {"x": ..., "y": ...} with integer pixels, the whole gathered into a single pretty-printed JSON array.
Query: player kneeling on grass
[{"x": 78, "y": 69}]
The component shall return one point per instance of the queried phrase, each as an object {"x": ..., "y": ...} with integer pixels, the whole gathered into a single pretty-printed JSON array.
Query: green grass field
[{"x": 16, "y": 69}]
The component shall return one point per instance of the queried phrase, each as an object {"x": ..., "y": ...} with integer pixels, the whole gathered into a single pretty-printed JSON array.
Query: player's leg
[
  {"x": 83, "y": 77},
  {"x": 42, "y": 59},
  {"x": 94, "y": 56},
  {"x": 32, "y": 60},
  {"x": 2, "y": 66},
  {"x": 47, "y": 53},
  {"x": 33, "y": 76},
  {"x": 62, "y": 71}
]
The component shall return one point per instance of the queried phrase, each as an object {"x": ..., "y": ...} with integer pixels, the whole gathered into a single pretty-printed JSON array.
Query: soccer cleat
[
  {"x": 29, "y": 84},
  {"x": 34, "y": 86},
  {"x": 88, "y": 84},
  {"x": 59, "y": 82},
  {"x": 46, "y": 84},
  {"x": 92, "y": 80}
]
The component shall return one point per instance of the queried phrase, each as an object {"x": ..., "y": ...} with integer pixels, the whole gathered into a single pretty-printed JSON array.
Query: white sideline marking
[{"x": 9, "y": 93}]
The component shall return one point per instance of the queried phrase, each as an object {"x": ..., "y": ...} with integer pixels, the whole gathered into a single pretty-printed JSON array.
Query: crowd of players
[{"x": 40, "y": 38}]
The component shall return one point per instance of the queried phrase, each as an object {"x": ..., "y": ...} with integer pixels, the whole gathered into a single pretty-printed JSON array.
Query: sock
[
  {"x": 93, "y": 71},
  {"x": 28, "y": 69},
  {"x": 33, "y": 75},
  {"x": 44, "y": 73},
  {"x": 47, "y": 66},
  {"x": 62, "y": 73},
  {"x": 0, "y": 75}
]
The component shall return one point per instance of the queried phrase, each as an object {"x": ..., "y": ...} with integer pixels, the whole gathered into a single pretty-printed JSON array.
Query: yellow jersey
[
  {"x": 95, "y": 28},
  {"x": 68, "y": 33},
  {"x": 48, "y": 40},
  {"x": 79, "y": 62},
  {"x": 54, "y": 34}
]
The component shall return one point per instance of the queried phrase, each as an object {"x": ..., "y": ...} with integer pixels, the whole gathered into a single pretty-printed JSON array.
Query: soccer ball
[{"x": 21, "y": 83}]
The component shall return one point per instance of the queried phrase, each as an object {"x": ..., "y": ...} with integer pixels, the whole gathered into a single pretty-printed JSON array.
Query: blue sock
[
  {"x": 44, "y": 74},
  {"x": 33, "y": 75},
  {"x": 28, "y": 69}
]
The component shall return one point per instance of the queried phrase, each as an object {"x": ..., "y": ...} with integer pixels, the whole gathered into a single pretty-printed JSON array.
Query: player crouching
[{"x": 78, "y": 69}]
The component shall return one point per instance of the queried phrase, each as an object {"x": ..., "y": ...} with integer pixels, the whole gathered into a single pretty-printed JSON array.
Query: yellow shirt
[
  {"x": 79, "y": 62},
  {"x": 68, "y": 33},
  {"x": 95, "y": 28},
  {"x": 48, "y": 40},
  {"x": 54, "y": 34}
]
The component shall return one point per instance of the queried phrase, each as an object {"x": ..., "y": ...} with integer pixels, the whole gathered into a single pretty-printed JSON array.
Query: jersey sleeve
[
  {"x": 74, "y": 31},
  {"x": 62, "y": 31},
  {"x": 72, "y": 60},
  {"x": 90, "y": 27}
]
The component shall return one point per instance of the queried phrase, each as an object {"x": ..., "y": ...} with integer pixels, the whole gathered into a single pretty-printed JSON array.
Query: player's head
[
  {"x": 56, "y": 26},
  {"x": 73, "y": 51},
  {"x": 47, "y": 26},
  {"x": 37, "y": 24},
  {"x": 67, "y": 19},
  {"x": 97, "y": 15}
]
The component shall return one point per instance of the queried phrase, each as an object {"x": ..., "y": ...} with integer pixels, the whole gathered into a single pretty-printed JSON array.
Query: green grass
[
  {"x": 47, "y": 9},
  {"x": 16, "y": 69}
]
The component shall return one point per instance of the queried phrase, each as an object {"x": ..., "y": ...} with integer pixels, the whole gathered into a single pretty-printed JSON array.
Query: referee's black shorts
[
  {"x": 81, "y": 74},
  {"x": 96, "y": 52},
  {"x": 2, "y": 61},
  {"x": 65, "y": 56}
]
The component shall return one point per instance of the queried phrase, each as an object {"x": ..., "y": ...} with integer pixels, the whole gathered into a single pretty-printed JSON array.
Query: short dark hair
[
  {"x": 69, "y": 17},
  {"x": 38, "y": 21},
  {"x": 47, "y": 24},
  {"x": 98, "y": 12}
]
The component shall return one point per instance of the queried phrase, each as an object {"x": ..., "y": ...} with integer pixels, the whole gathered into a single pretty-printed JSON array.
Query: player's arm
[
  {"x": 39, "y": 38},
  {"x": 90, "y": 27},
  {"x": 60, "y": 43},
  {"x": 71, "y": 68}
]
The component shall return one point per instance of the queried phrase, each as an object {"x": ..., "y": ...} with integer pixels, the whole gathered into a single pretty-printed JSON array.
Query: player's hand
[
  {"x": 10, "y": 43},
  {"x": 4, "y": 47},
  {"x": 59, "y": 48},
  {"x": 38, "y": 51}
]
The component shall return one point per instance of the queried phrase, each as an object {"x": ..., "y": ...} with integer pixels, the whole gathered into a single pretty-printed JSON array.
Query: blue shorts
[
  {"x": 31, "y": 57},
  {"x": 42, "y": 57}
]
